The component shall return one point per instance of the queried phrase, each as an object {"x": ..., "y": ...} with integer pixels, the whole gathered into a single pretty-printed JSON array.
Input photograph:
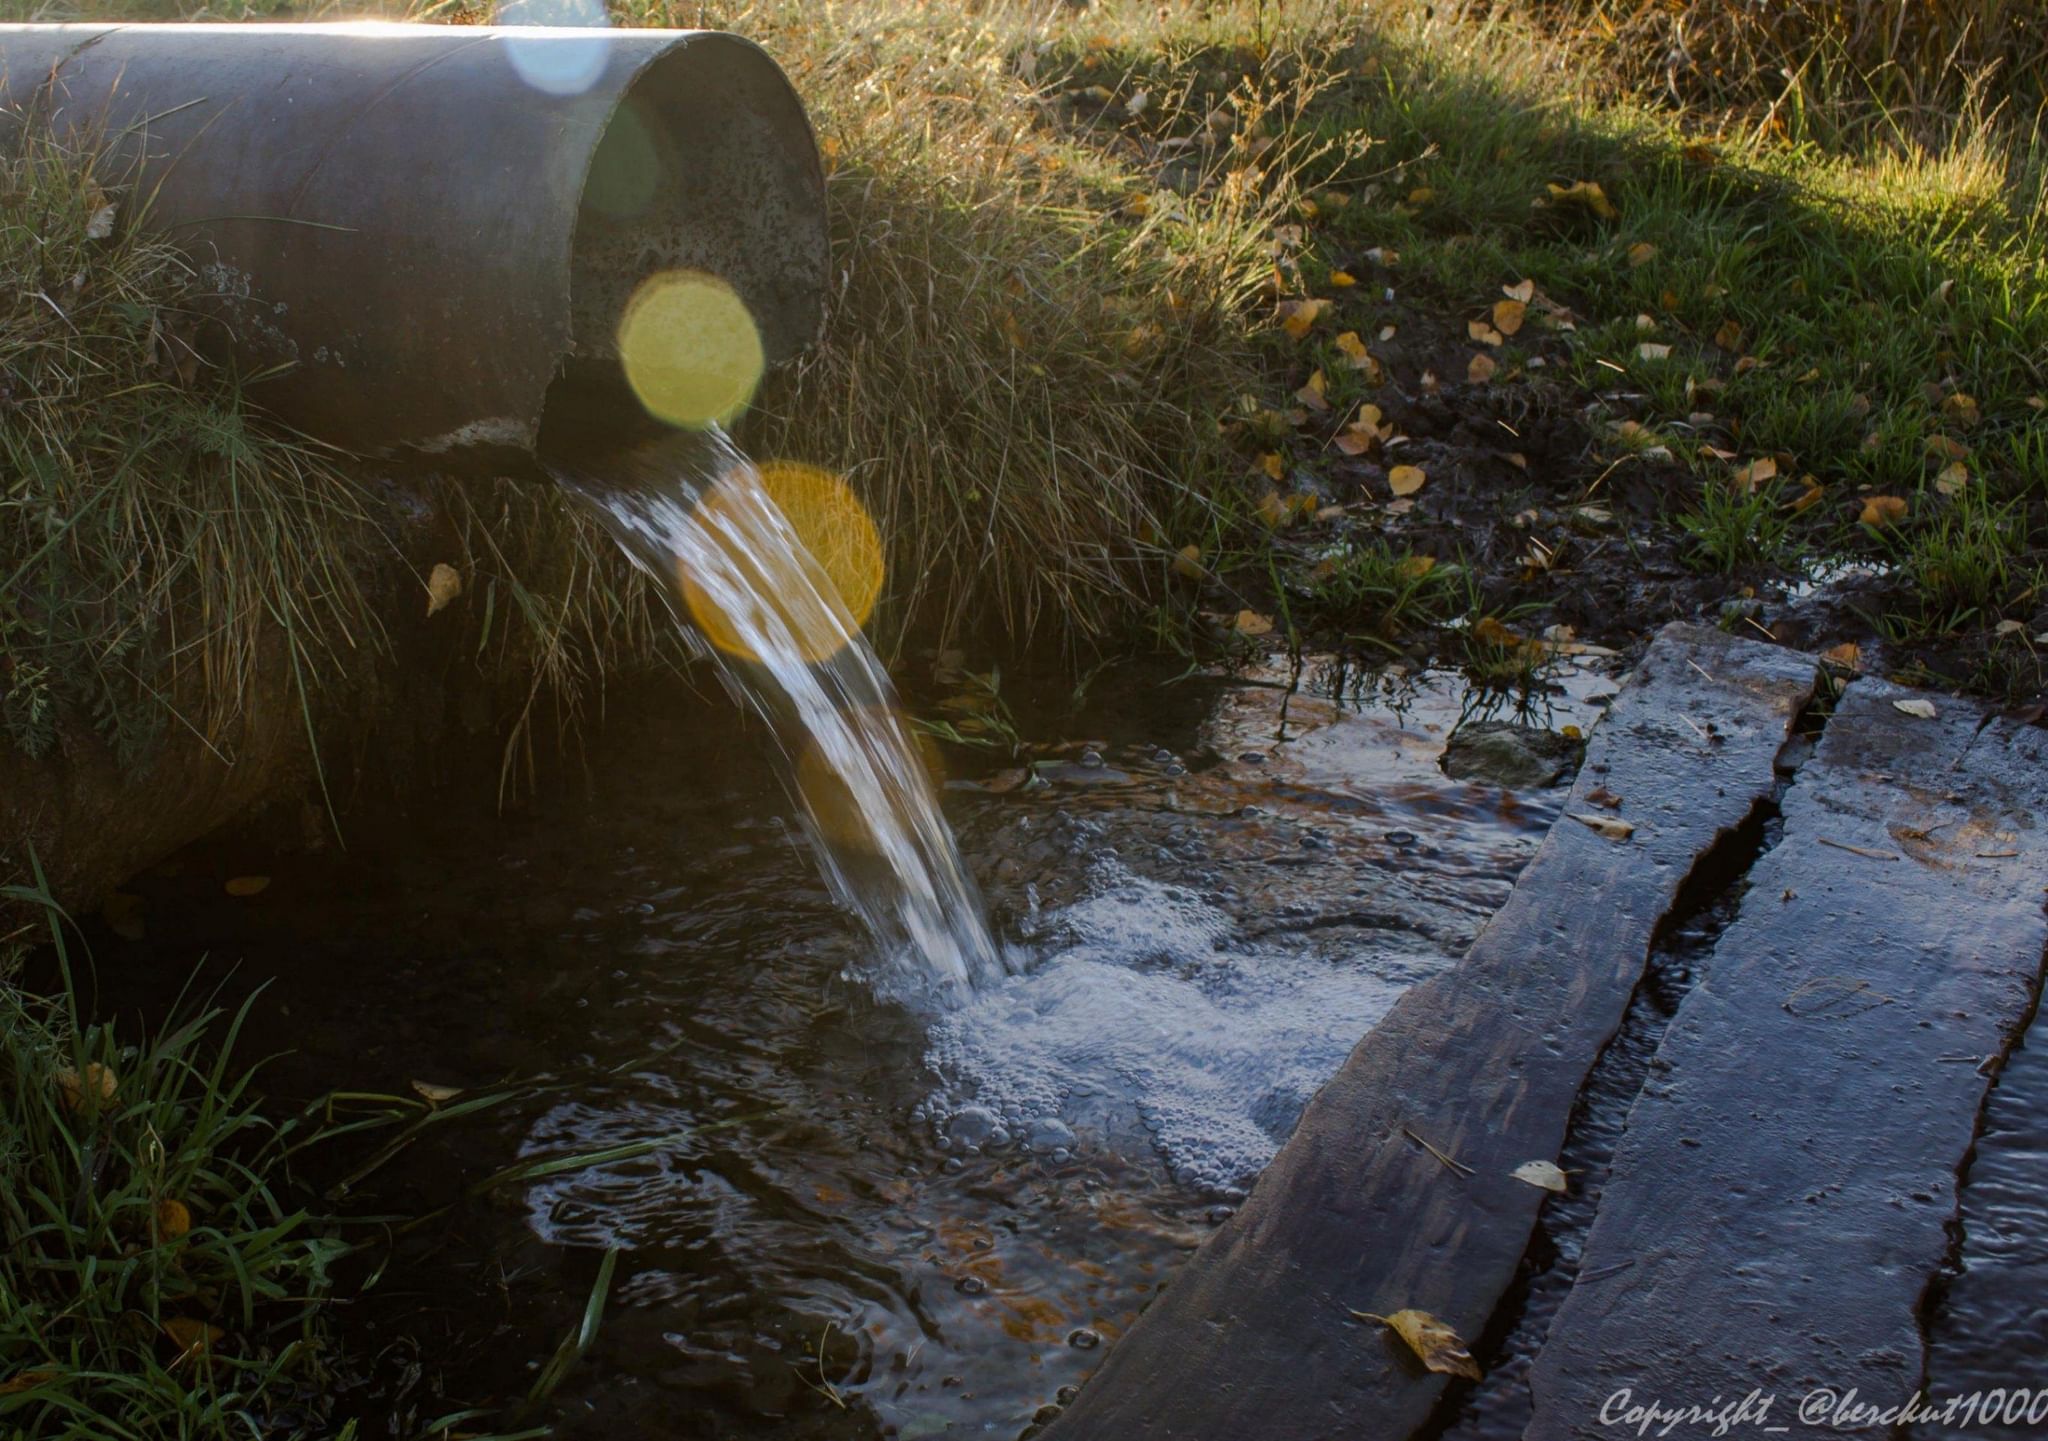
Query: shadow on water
[{"x": 910, "y": 1223}]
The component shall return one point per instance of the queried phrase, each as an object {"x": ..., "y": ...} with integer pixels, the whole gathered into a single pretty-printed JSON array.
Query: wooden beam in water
[
  {"x": 1253, "y": 1338},
  {"x": 1785, "y": 1188}
]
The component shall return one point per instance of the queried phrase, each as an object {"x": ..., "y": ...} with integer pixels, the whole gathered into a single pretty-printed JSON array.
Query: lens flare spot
[
  {"x": 825, "y": 518},
  {"x": 557, "y": 55},
  {"x": 690, "y": 348}
]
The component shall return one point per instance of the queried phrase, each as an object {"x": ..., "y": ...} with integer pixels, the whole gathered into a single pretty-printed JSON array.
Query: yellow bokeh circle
[
  {"x": 690, "y": 348},
  {"x": 839, "y": 817},
  {"x": 828, "y": 520}
]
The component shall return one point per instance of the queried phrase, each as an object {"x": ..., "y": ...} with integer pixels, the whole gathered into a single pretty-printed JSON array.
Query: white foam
[{"x": 1147, "y": 1012}]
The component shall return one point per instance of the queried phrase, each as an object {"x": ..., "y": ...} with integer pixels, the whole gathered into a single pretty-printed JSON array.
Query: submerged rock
[{"x": 1516, "y": 756}]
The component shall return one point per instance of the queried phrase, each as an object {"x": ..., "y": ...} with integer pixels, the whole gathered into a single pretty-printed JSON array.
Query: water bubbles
[
  {"x": 1149, "y": 1025},
  {"x": 971, "y": 1286},
  {"x": 1083, "y": 1339}
]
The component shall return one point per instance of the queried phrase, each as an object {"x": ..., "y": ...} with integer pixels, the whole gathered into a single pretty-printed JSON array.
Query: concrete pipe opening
[{"x": 425, "y": 237}]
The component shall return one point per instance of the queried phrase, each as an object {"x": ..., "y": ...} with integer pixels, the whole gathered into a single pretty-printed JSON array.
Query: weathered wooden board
[
  {"x": 1252, "y": 1339},
  {"x": 1782, "y": 1195}
]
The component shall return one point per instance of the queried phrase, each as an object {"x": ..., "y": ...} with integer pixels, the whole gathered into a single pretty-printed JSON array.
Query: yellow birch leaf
[
  {"x": 1406, "y": 479},
  {"x": 1880, "y": 511},
  {"x": 1313, "y": 395},
  {"x": 1343, "y": 279},
  {"x": 1544, "y": 1175},
  {"x": 444, "y": 583},
  {"x": 1187, "y": 562},
  {"x": 1587, "y": 193},
  {"x": 1649, "y": 350},
  {"x": 1509, "y": 314},
  {"x": 1523, "y": 290},
  {"x": 1613, "y": 828},
  {"x": 1954, "y": 476},
  {"x": 173, "y": 1219},
  {"x": 1754, "y": 474},
  {"x": 1435, "y": 1344},
  {"x": 1480, "y": 368},
  {"x": 1273, "y": 465},
  {"x": 1250, "y": 622},
  {"x": 1641, "y": 254}
]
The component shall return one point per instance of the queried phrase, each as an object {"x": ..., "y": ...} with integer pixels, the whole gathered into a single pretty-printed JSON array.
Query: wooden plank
[
  {"x": 1252, "y": 1336},
  {"x": 1783, "y": 1194}
]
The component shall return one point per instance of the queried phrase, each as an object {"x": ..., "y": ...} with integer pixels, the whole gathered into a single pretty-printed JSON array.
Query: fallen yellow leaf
[
  {"x": 1954, "y": 476},
  {"x": 1297, "y": 317},
  {"x": 1544, "y": 1175},
  {"x": 1343, "y": 279},
  {"x": 444, "y": 583},
  {"x": 1271, "y": 463},
  {"x": 1250, "y": 622},
  {"x": 1406, "y": 479},
  {"x": 1754, "y": 474},
  {"x": 1962, "y": 409},
  {"x": 191, "y": 1336},
  {"x": 97, "y": 1086},
  {"x": 1485, "y": 334},
  {"x": 1729, "y": 336},
  {"x": 1588, "y": 194},
  {"x": 1641, "y": 254},
  {"x": 1649, "y": 350},
  {"x": 1612, "y": 827},
  {"x": 173, "y": 1219},
  {"x": 1509, "y": 314},
  {"x": 1522, "y": 290},
  {"x": 1187, "y": 562},
  {"x": 1848, "y": 655},
  {"x": 433, "y": 1094},
  {"x": 1480, "y": 368},
  {"x": 1435, "y": 1344},
  {"x": 1882, "y": 510},
  {"x": 22, "y": 1381},
  {"x": 1313, "y": 394},
  {"x": 247, "y": 885}
]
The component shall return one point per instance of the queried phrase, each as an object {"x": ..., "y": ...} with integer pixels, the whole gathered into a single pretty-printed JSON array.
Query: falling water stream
[{"x": 694, "y": 513}]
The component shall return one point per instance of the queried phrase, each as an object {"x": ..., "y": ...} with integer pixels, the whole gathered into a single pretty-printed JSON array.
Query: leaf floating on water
[
  {"x": 1406, "y": 479},
  {"x": 1435, "y": 1344},
  {"x": 1544, "y": 1175},
  {"x": 1612, "y": 827},
  {"x": 247, "y": 885},
  {"x": 434, "y": 1094},
  {"x": 1917, "y": 706},
  {"x": 444, "y": 583}
]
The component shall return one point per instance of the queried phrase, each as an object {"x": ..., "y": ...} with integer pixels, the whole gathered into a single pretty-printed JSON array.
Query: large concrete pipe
[{"x": 424, "y": 230}]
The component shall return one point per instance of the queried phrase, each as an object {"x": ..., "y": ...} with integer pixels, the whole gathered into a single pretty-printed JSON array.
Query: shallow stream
[{"x": 909, "y": 1222}]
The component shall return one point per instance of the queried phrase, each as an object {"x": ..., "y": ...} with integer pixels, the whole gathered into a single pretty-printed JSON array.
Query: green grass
[{"x": 155, "y": 1281}]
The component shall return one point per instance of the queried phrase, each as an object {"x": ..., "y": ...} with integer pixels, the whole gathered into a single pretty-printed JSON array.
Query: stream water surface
[{"x": 908, "y": 1220}]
